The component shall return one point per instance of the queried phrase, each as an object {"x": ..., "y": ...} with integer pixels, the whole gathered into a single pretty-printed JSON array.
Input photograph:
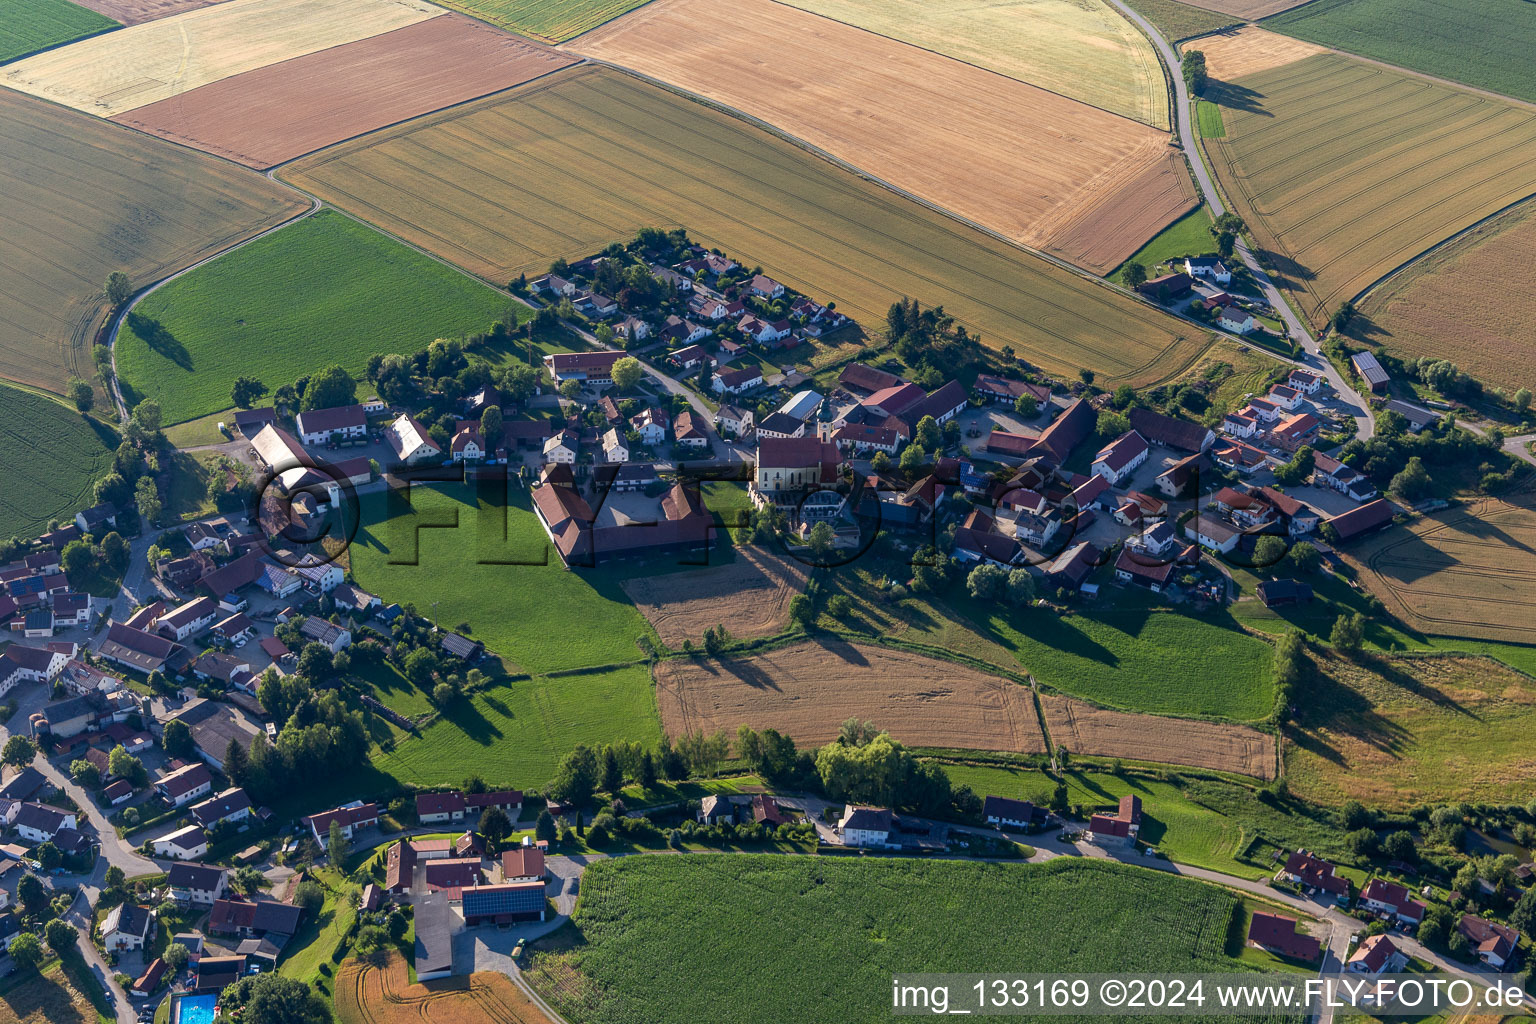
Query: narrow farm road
[{"x": 1365, "y": 424}]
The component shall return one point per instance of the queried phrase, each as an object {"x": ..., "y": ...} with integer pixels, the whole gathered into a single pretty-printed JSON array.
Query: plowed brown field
[
  {"x": 1085, "y": 729},
  {"x": 1009, "y": 156},
  {"x": 271, "y": 115},
  {"x": 807, "y": 690},
  {"x": 385, "y": 995},
  {"x": 115, "y": 72},
  {"x": 131, "y": 12},
  {"x": 750, "y": 597}
]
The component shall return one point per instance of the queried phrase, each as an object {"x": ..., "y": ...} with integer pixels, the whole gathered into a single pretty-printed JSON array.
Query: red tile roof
[{"x": 1277, "y": 933}]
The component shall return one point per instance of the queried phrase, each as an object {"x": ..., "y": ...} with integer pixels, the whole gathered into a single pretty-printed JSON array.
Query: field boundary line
[{"x": 992, "y": 71}]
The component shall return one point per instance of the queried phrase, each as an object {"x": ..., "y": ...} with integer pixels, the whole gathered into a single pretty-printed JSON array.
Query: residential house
[
  {"x": 410, "y": 442},
  {"x": 1072, "y": 567},
  {"x": 185, "y": 785},
  {"x": 40, "y": 823},
  {"x": 1417, "y": 416},
  {"x": 250, "y": 918},
  {"x": 693, "y": 355},
  {"x": 738, "y": 381},
  {"x": 439, "y": 808},
  {"x": 865, "y": 826},
  {"x": 1239, "y": 457},
  {"x": 618, "y": 477},
  {"x": 1003, "y": 391},
  {"x": 468, "y": 445},
  {"x": 687, "y": 430},
  {"x": 213, "y": 725},
  {"x": 1208, "y": 267},
  {"x": 127, "y": 926},
  {"x": 1144, "y": 570},
  {"x": 333, "y": 637},
  {"x": 146, "y": 984},
  {"x": 1494, "y": 943},
  {"x": 522, "y": 864},
  {"x": 1277, "y": 934},
  {"x": 1213, "y": 533},
  {"x": 862, "y": 439},
  {"x": 1007, "y": 813},
  {"x": 780, "y": 424},
  {"x": 1299, "y": 518},
  {"x": 1120, "y": 458},
  {"x": 1377, "y": 954},
  {"x": 1166, "y": 287},
  {"x": 231, "y": 805},
  {"x": 1305, "y": 381},
  {"x": 1286, "y": 397},
  {"x": 614, "y": 447},
  {"x": 765, "y": 287},
  {"x": 1240, "y": 424},
  {"x": 1182, "y": 479},
  {"x": 27, "y": 663},
  {"x": 78, "y": 677},
  {"x": 1296, "y": 430},
  {"x": 762, "y": 331},
  {"x": 561, "y": 447},
  {"x": 586, "y": 367},
  {"x": 196, "y": 883},
  {"x": 97, "y": 517},
  {"x": 733, "y": 420},
  {"x": 235, "y": 627},
  {"x": 508, "y": 800},
  {"x": 187, "y": 620},
  {"x": 1120, "y": 828},
  {"x": 351, "y": 819},
  {"x": 651, "y": 424},
  {"x": 1335, "y": 475},
  {"x": 766, "y": 811},
  {"x": 1238, "y": 321},
  {"x": 332, "y": 426},
  {"x": 632, "y": 328},
  {"x": 1391, "y": 900},
  {"x": 188, "y": 843}
]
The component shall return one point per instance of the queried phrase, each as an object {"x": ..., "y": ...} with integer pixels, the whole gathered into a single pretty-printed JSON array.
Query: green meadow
[{"x": 30, "y": 26}]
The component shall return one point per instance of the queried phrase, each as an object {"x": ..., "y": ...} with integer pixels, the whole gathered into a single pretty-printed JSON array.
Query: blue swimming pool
[{"x": 196, "y": 1009}]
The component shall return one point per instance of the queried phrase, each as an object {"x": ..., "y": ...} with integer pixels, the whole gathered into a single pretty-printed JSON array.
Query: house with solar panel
[{"x": 502, "y": 904}]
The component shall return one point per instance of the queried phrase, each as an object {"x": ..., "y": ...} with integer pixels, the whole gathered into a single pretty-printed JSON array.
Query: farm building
[{"x": 1370, "y": 371}]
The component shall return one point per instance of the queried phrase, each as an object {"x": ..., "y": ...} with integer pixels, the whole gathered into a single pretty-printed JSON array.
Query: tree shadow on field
[
  {"x": 1232, "y": 96},
  {"x": 160, "y": 340},
  {"x": 106, "y": 435}
]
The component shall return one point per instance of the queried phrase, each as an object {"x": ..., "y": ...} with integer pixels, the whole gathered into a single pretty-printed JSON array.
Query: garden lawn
[
  {"x": 323, "y": 290},
  {"x": 1207, "y": 823},
  {"x": 830, "y": 932},
  {"x": 1190, "y": 235},
  {"x": 50, "y": 459},
  {"x": 1127, "y": 657},
  {"x": 385, "y": 683},
  {"x": 510, "y": 587},
  {"x": 1482, "y": 43},
  {"x": 33, "y": 25},
  {"x": 310, "y": 956},
  {"x": 514, "y": 734}
]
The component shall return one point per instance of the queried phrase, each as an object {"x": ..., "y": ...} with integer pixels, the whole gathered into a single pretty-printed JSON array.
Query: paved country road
[{"x": 1365, "y": 424}]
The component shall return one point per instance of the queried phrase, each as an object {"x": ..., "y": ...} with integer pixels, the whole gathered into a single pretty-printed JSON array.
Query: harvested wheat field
[
  {"x": 587, "y": 156},
  {"x": 809, "y": 689},
  {"x": 1096, "y": 732},
  {"x": 273, "y": 114},
  {"x": 1250, "y": 10},
  {"x": 132, "y": 12},
  {"x": 367, "y": 994},
  {"x": 145, "y": 63},
  {"x": 750, "y": 597},
  {"x": 1424, "y": 310},
  {"x": 1248, "y": 50},
  {"x": 1011, "y": 157},
  {"x": 1468, "y": 571},
  {"x": 1395, "y": 732},
  {"x": 1082, "y": 49},
  {"x": 1344, "y": 171},
  {"x": 84, "y": 198}
]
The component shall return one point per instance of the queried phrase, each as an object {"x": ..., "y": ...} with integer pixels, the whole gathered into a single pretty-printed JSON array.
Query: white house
[
  {"x": 1118, "y": 459},
  {"x": 468, "y": 445},
  {"x": 189, "y": 843},
  {"x": 410, "y": 442},
  {"x": 186, "y": 785},
  {"x": 329, "y": 426},
  {"x": 188, "y": 619},
  {"x": 1208, "y": 267},
  {"x": 766, "y": 287},
  {"x": 127, "y": 926},
  {"x": 196, "y": 883},
  {"x": 1213, "y": 533},
  {"x": 231, "y": 805},
  {"x": 1006, "y": 813},
  {"x": 761, "y": 330},
  {"x": 328, "y": 634},
  {"x": 1236, "y": 320},
  {"x": 324, "y": 578},
  {"x": 733, "y": 420},
  {"x": 651, "y": 425},
  {"x": 1286, "y": 397},
  {"x": 350, "y": 819},
  {"x": 561, "y": 448},
  {"x": 1304, "y": 381},
  {"x": 735, "y": 382},
  {"x": 39, "y": 823},
  {"x": 1236, "y": 424},
  {"x": 614, "y": 448},
  {"x": 1377, "y": 955},
  {"x": 25, "y": 663},
  {"x": 865, "y": 826}
]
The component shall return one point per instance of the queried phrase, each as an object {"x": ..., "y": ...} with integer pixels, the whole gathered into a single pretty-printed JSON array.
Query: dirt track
[
  {"x": 807, "y": 690},
  {"x": 749, "y": 597},
  {"x": 1007, "y": 155},
  {"x": 273, "y": 114},
  {"x": 1084, "y": 729}
]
